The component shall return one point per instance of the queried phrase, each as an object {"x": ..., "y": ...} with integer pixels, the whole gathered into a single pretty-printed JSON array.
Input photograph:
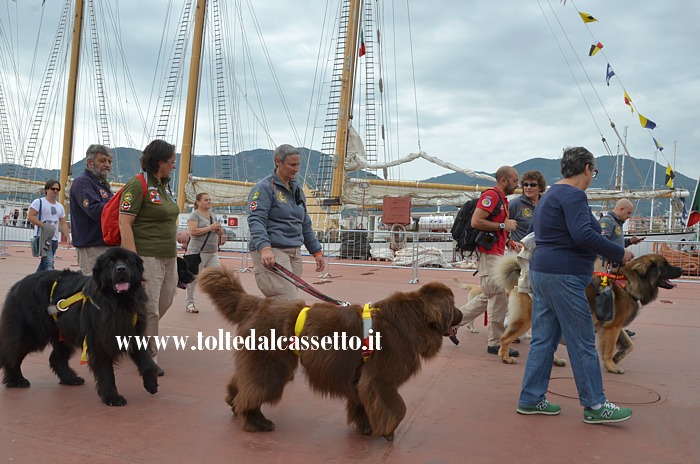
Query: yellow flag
[
  {"x": 670, "y": 175},
  {"x": 587, "y": 18},
  {"x": 628, "y": 101}
]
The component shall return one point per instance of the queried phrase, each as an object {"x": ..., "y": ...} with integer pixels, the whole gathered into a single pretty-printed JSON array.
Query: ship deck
[{"x": 460, "y": 407}]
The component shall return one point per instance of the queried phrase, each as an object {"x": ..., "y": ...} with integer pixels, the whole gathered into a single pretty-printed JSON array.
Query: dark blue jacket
[
  {"x": 567, "y": 234},
  {"x": 88, "y": 196}
]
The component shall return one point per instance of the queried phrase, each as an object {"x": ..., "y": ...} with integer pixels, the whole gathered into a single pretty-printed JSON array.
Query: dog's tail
[
  {"x": 507, "y": 272},
  {"x": 463, "y": 285},
  {"x": 226, "y": 292}
]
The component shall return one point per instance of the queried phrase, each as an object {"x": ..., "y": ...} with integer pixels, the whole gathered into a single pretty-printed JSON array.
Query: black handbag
[{"x": 195, "y": 259}]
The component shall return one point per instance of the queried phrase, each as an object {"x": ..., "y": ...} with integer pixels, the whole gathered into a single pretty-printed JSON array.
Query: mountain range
[{"x": 253, "y": 165}]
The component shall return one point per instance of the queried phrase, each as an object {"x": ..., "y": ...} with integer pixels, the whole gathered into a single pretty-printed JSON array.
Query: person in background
[
  {"x": 568, "y": 239},
  {"x": 611, "y": 226},
  {"x": 45, "y": 211},
  {"x": 205, "y": 233},
  {"x": 522, "y": 208},
  {"x": 279, "y": 225},
  {"x": 89, "y": 193},
  {"x": 491, "y": 215},
  {"x": 148, "y": 226}
]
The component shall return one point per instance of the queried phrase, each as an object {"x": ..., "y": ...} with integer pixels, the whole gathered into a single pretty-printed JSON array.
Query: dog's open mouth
[
  {"x": 664, "y": 283},
  {"x": 121, "y": 287}
]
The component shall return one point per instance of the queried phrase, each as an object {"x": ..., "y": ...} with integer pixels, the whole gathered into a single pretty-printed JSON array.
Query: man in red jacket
[{"x": 491, "y": 217}]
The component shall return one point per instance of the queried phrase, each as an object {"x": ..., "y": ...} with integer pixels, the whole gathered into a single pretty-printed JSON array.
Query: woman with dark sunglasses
[
  {"x": 522, "y": 208},
  {"x": 45, "y": 212}
]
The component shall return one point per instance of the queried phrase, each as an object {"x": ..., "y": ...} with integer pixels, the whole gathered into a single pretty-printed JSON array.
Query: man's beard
[{"x": 102, "y": 175}]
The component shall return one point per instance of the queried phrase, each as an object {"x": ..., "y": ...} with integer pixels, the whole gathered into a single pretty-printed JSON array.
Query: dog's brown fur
[
  {"x": 411, "y": 325},
  {"x": 644, "y": 276}
]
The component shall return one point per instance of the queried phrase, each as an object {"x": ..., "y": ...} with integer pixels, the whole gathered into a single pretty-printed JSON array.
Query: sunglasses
[
  {"x": 530, "y": 184},
  {"x": 55, "y": 189},
  {"x": 595, "y": 173}
]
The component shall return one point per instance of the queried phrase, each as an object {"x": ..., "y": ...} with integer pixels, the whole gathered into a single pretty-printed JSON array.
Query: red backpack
[{"x": 110, "y": 215}]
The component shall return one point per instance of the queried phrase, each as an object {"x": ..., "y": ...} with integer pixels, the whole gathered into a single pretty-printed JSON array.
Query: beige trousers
[
  {"x": 160, "y": 275},
  {"x": 87, "y": 257},
  {"x": 271, "y": 284},
  {"x": 493, "y": 300}
]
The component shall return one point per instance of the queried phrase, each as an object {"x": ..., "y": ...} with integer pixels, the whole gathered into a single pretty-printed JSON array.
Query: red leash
[{"x": 303, "y": 285}]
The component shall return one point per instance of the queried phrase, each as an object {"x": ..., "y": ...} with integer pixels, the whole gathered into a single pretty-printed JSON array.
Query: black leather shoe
[
  {"x": 494, "y": 350},
  {"x": 161, "y": 372},
  {"x": 631, "y": 333}
]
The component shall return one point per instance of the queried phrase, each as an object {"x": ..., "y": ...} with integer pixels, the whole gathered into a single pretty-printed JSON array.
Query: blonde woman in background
[{"x": 205, "y": 232}]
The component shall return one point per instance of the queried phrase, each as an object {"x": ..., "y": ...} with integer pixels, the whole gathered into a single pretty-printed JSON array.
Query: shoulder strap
[{"x": 498, "y": 205}]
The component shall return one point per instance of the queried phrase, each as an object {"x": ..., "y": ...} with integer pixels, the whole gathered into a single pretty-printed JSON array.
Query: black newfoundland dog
[{"x": 111, "y": 303}]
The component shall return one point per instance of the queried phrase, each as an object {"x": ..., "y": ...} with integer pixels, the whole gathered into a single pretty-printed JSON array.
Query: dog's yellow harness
[
  {"x": 64, "y": 303},
  {"x": 366, "y": 326}
]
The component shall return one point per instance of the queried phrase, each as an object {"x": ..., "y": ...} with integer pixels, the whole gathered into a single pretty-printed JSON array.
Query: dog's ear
[
  {"x": 643, "y": 267},
  {"x": 440, "y": 305}
]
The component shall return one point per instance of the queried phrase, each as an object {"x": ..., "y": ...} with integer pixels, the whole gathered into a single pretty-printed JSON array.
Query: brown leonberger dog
[
  {"x": 643, "y": 277},
  {"x": 411, "y": 327}
]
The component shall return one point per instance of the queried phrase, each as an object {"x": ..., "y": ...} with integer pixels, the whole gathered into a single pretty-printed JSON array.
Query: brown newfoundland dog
[
  {"x": 111, "y": 303},
  {"x": 642, "y": 278},
  {"x": 411, "y": 327}
]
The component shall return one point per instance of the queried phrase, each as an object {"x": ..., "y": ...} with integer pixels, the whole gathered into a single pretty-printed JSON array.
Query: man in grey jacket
[{"x": 279, "y": 225}]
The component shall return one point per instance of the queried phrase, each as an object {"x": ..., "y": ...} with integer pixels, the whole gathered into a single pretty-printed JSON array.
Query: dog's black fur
[
  {"x": 184, "y": 276},
  {"x": 115, "y": 294}
]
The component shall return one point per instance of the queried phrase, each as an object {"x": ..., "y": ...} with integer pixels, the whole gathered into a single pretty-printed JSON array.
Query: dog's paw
[
  {"x": 72, "y": 381},
  {"x": 17, "y": 383},
  {"x": 614, "y": 369},
  {"x": 151, "y": 385},
  {"x": 559, "y": 362},
  {"x": 389, "y": 437},
  {"x": 116, "y": 400},
  {"x": 509, "y": 360}
]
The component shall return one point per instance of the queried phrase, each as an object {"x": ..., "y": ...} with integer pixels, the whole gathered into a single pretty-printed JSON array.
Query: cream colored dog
[{"x": 474, "y": 290}]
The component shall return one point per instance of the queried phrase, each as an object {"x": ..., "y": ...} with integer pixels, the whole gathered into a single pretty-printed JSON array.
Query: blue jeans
[
  {"x": 46, "y": 263},
  {"x": 560, "y": 307}
]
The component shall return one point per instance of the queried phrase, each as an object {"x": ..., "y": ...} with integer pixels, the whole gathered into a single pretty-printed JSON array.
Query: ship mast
[
  {"x": 69, "y": 123},
  {"x": 345, "y": 106},
  {"x": 191, "y": 104}
]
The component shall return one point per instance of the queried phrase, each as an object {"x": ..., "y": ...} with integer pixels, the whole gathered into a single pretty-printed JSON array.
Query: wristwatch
[{"x": 502, "y": 225}]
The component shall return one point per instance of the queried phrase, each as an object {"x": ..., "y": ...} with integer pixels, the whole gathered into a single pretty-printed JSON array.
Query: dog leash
[{"x": 303, "y": 285}]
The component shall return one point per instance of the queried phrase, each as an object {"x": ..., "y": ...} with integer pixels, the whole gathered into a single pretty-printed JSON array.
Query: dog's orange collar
[{"x": 619, "y": 279}]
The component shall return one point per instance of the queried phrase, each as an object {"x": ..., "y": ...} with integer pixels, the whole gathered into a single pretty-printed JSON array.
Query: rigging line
[
  {"x": 274, "y": 74},
  {"x": 395, "y": 80},
  {"x": 413, "y": 72},
  {"x": 583, "y": 69},
  {"x": 618, "y": 79},
  {"x": 316, "y": 81},
  {"x": 561, "y": 50}
]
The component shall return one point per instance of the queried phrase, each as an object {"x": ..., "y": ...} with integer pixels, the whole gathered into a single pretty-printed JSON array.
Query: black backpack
[{"x": 462, "y": 230}]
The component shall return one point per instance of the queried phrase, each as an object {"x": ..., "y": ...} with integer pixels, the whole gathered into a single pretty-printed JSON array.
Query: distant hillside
[
  {"x": 550, "y": 168},
  {"x": 253, "y": 165}
]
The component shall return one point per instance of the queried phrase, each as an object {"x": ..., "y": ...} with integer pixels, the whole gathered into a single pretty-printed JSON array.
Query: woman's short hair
[
  {"x": 537, "y": 177},
  {"x": 50, "y": 183},
  {"x": 285, "y": 150},
  {"x": 155, "y": 152},
  {"x": 575, "y": 160}
]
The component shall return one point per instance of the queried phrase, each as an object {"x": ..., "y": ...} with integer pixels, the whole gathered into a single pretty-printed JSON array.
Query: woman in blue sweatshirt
[{"x": 568, "y": 239}]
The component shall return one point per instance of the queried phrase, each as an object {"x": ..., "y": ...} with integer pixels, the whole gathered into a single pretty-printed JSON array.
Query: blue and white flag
[{"x": 608, "y": 74}]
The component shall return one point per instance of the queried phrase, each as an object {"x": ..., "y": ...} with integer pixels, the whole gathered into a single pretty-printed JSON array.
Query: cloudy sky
[{"x": 486, "y": 82}]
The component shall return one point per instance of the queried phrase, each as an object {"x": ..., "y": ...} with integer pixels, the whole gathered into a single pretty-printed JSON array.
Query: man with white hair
[{"x": 89, "y": 193}]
